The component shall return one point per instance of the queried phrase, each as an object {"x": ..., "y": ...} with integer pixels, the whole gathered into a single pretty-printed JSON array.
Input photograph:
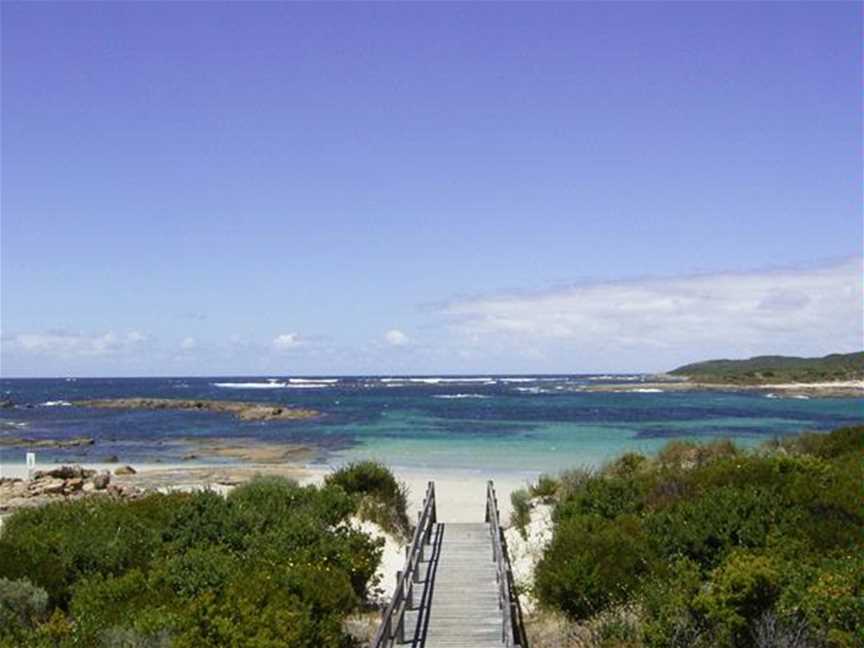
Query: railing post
[{"x": 409, "y": 595}]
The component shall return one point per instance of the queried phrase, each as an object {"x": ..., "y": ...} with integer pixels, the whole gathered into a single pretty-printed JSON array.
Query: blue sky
[{"x": 245, "y": 188}]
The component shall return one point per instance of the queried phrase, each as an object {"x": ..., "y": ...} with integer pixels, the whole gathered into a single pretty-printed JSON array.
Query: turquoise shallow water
[{"x": 521, "y": 424}]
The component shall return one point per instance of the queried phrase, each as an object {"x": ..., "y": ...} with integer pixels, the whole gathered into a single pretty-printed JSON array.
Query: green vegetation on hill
[
  {"x": 272, "y": 564},
  {"x": 713, "y": 546},
  {"x": 776, "y": 369}
]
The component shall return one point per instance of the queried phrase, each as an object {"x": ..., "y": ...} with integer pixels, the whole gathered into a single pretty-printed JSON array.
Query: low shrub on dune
[
  {"x": 381, "y": 498},
  {"x": 713, "y": 546},
  {"x": 272, "y": 564}
]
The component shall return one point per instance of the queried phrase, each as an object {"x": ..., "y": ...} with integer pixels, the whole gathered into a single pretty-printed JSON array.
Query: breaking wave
[{"x": 461, "y": 396}]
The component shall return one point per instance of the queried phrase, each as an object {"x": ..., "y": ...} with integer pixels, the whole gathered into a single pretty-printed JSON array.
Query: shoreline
[
  {"x": 460, "y": 495},
  {"x": 838, "y": 389}
]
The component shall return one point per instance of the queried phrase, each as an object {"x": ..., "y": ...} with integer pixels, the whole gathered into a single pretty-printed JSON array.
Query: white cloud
[
  {"x": 395, "y": 337},
  {"x": 188, "y": 343},
  {"x": 286, "y": 341},
  {"x": 64, "y": 344},
  {"x": 136, "y": 336},
  {"x": 802, "y": 311}
]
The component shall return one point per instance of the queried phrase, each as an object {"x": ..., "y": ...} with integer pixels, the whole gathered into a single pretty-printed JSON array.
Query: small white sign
[{"x": 31, "y": 464}]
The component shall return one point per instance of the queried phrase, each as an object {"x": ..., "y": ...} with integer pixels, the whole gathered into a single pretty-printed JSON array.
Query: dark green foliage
[
  {"x": 716, "y": 546},
  {"x": 829, "y": 595},
  {"x": 767, "y": 369},
  {"x": 22, "y": 607},
  {"x": 273, "y": 564},
  {"x": 591, "y": 563},
  {"x": 56, "y": 544},
  {"x": 607, "y": 497},
  {"x": 382, "y": 499}
]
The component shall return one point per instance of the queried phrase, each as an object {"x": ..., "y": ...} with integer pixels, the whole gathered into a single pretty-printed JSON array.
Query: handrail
[
  {"x": 392, "y": 626},
  {"x": 512, "y": 626}
]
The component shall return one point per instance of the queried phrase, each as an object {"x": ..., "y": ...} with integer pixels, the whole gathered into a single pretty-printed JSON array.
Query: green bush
[
  {"x": 739, "y": 593},
  {"x": 830, "y": 597},
  {"x": 626, "y": 465},
  {"x": 57, "y": 544},
  {"x": 715, "y": 546},
  {"x": 607, "y": 497},
  {"x": 382, "y": 499},
  {"x": 546, "y": 487},
  {"x": 591, "y": 563},
  {"x": 273, "y": 564},
  {"x": 22, "y": 607}
]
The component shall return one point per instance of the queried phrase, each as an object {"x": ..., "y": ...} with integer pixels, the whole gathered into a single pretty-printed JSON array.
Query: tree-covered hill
[{"x": 776, "y": 369}]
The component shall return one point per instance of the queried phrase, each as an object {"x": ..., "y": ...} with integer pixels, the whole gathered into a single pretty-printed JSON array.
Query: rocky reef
[
  {"x": 243, "y": 411},
  {"x": 62, "y": 483},
  {"x": 74, "y": 442}
]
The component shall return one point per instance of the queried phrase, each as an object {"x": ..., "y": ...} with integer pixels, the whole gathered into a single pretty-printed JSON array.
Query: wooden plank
[{"x": 463, "y": 610}]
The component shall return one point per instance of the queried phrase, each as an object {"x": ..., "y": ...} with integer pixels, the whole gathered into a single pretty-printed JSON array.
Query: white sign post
[{"x": 31, "y": 464}]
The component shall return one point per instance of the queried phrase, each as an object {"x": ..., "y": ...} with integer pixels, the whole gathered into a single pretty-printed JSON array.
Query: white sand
[{"x": 837, "y": 384}]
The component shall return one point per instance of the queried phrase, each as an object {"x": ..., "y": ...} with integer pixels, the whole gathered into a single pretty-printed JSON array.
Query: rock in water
[
  {"x": 125, "y": 470},
  {"x": 101, "y": 481}
]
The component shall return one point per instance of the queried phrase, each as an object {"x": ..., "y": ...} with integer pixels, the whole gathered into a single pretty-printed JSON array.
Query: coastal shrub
[
  {"x": 669, "y": 619},
  {"x": 272, "y": 564},
  {"x": 739, "y": 593},
  {"x": 520, "y": 516},
  {"x": 205, "y": 519},
  {"x": 590, "y": 563},
  {"x": 707, "y": 528},
  {"x": 56, "y": 544},
  {"x": 288, "y": 606},
  {"x": 607, "y": 497},
  {"x": 626, "y": 465},
  {"x": 22, "y": 607},
  {"x": 545, "y": 488},
  {"x": 571, "y": 481},
  {"x": 830, "y": 598},
  {"x": 382, "y": 499},
  {"x": 715, "y": 546},
  {"x": 838, "y": 443}
]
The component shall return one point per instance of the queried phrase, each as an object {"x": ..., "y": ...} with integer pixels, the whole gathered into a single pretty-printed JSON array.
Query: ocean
[{"x": 519, "y": 424}]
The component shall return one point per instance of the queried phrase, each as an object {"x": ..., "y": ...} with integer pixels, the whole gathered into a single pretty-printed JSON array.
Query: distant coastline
[
  {"x": 777, "y": 370},
  {"x": 829, "y": 389}
]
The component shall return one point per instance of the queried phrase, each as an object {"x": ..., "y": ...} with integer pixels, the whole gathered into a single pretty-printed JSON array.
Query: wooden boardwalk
[
  {"x": 463, "y": 610},
  {"x": 455, "y": 591}
]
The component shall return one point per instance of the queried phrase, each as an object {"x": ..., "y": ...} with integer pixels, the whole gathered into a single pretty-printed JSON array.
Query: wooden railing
[
  {"x": 392, "y": 628},
  {"x": 512, "y": 627}
]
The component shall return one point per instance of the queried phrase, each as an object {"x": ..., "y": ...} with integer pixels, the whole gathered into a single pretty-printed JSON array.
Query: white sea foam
[
  {"x": 771, "y": 396},
  {"x": 646, "y": 390},
  {"x": 801, "y": 397},
  {"x": 534, "y": 390},
  {"x": 270, "y": 384},
  {"x": 461, "y": 396},
  {"x": 301, "y": 381},
  {"x": 616, "y": 378},
  {"x": 57, "y": 403},
  {"x": 437, "y": 381},
  {"x": 518, "y": 380}
]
